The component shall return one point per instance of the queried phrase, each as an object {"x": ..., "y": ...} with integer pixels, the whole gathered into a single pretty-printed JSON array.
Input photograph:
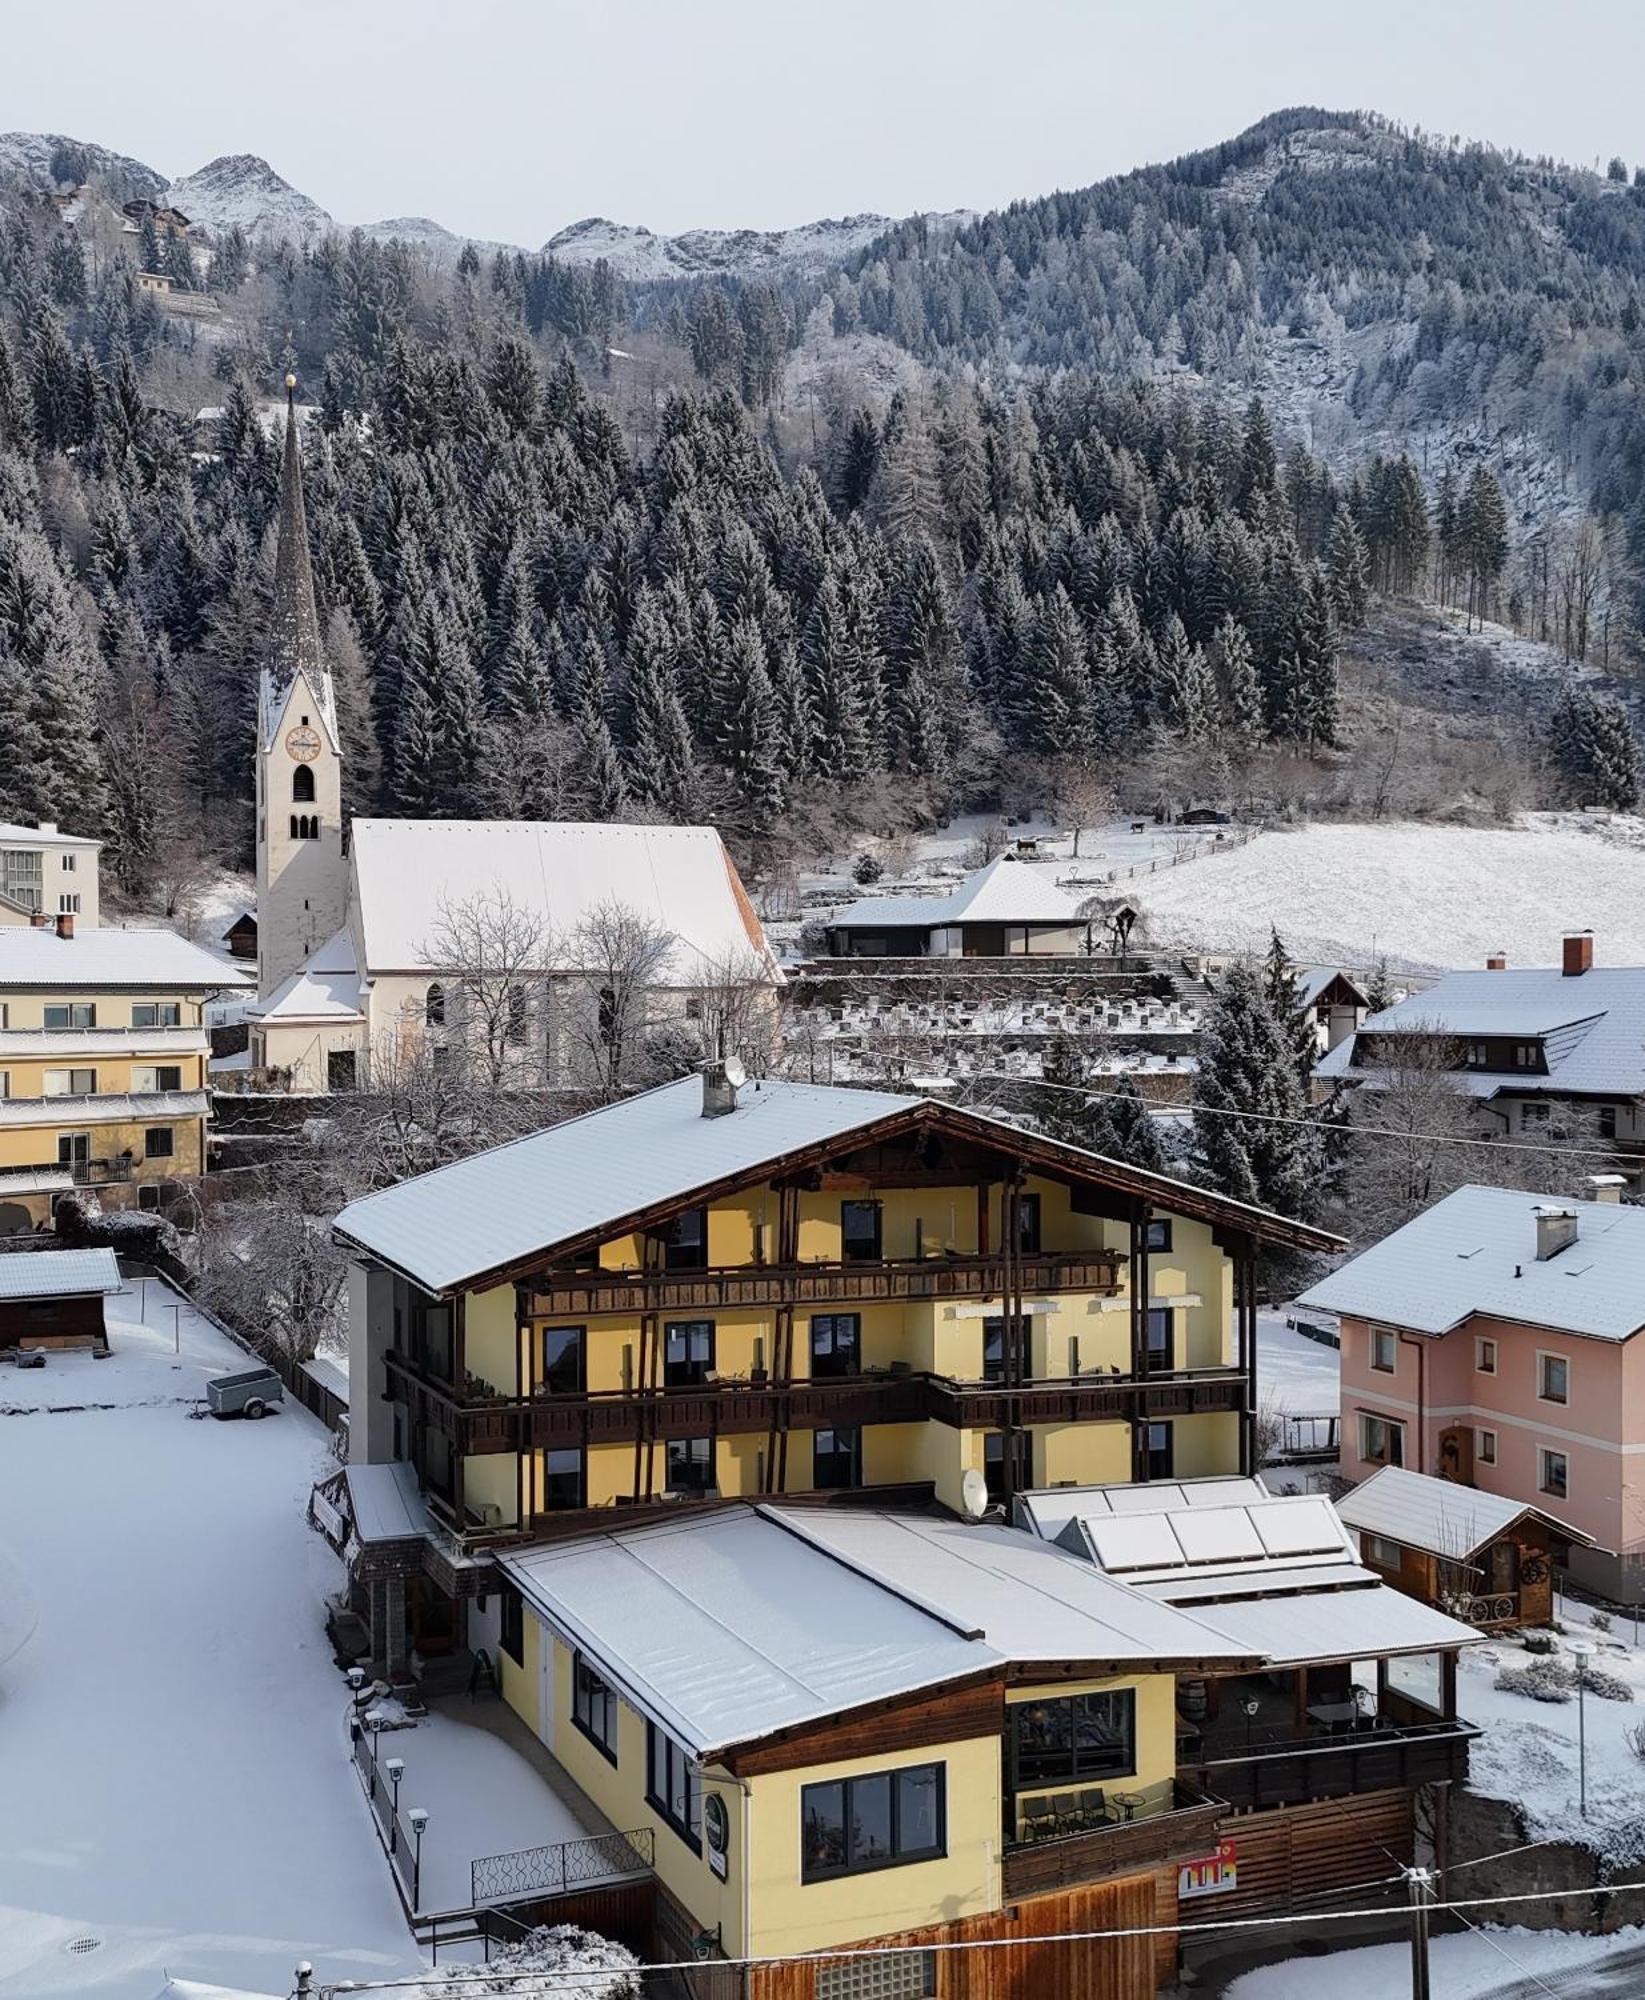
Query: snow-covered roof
[
  {"x": 1366, "y": 1623},
  {"x": 110, "y": 957},
  {"x": 34, "y": 1180},
  {"x": 325, "y": 988},
  {"x": 331, "y": 1375},
  {"x": 1437, "y": 1515},
  {"x": 482, "y": 1213},
  {"x": 58, "y": 1274},
  {"x": 494, "y": 1210},
  {"x": 42, "y": 836},
  {"x": 1591, "y": 1024},
  {"x": 1007, "y": 891},
  {"x": 386, "y": 1501},
  {"x": 1310, "y": 981},
  {"x": 727, "y": 1626},
  {"x": 561, "y": 872},
  {"x": 1048, "y": 1510},
  {"x": 1475, "y": 1252}
]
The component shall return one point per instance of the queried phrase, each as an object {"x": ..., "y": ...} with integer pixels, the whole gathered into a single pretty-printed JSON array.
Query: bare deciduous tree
[
  {"x": 489, "y": 955},
  {"x": 271, "y": 1270},
  {"x": 611, "y": 1007}
]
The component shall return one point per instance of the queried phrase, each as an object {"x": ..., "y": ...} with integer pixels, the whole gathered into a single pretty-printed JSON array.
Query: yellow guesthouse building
[{"x": 103, "y": 1063}]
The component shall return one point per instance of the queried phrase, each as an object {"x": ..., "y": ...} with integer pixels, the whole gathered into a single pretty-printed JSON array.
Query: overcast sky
[{"x": 511, "y": 118}]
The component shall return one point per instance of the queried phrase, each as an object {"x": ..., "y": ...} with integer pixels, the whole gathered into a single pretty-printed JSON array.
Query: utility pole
[{"x": 1417, "y": 1881}]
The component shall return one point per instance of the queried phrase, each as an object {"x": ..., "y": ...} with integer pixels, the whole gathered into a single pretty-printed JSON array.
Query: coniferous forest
[{"x": 537, "y": 609}]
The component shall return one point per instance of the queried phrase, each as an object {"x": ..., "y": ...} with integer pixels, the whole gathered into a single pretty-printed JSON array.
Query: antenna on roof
[{"x": 973, "y": 1494}]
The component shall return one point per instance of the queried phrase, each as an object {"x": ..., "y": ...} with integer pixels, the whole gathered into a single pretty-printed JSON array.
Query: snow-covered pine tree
[{"x": 1252, "y": 1131}]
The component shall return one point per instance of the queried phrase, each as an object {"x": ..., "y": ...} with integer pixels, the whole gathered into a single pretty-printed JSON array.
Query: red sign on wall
[{"x": 1211, "y": 1874}]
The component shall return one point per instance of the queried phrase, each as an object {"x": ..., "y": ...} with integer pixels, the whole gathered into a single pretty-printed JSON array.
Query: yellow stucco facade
[{"x": 762, "y": 1904}]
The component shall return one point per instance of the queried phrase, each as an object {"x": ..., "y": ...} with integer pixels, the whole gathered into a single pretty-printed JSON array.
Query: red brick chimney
[
  {"x": 65, "y": 925},
  {"x": 38, "y": 920},
  {"x": 1579, "y": 955},
  {"x": 1497, "y": 962}
]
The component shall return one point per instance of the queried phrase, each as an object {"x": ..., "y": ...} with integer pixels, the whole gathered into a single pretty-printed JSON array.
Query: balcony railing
[
  {"x": 126, "y": 1107},
  {"x": 1186, "y": 1822},
  {"x": 478, "y": 1424},
  {"x": 37, "y": 1043},
  {"x": 585, "y": 1294},
  {"x": 1293, "y": 1771}
]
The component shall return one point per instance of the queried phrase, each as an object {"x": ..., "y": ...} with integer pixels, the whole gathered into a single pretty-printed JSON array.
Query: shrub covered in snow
[
  {"x": 607, "y": 1971},
  {"x": 1544, "y": 1679},
  {"x": 1551, "y": 1678},
  {"x": 84, "y": 1224}
]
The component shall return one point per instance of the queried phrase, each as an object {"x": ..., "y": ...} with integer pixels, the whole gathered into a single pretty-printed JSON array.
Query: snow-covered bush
[
  {"x": 1608, "y": 1686},
  {"x": 1545, "y": 1679},
  {"x": 867, "y": 868},
  {"x": 82, "y": 1222},
  {"x": 1599, "y": 1621},
  {"x": 608, "y": 1971}
]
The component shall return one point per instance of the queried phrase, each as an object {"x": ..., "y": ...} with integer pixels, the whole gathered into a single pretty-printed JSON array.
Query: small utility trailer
[{"x": 249, "y": 1392}]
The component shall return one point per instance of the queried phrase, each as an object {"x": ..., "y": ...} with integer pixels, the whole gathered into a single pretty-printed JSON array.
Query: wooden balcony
[
  {"x": 733, "y": 1408},
  {"x": 1188, "y": 1826},
  {"x": 1374, "y": 1760},
  {"x": 583, "y": 1295}
]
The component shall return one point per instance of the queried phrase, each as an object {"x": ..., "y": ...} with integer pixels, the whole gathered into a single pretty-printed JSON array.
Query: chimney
[
  {"x": 47, "y": 826},
  {"x": 65, "y": 925},
  {"x": 721, "y": 1082},
  {"x": 1606, "y": 1187},
  {"x": 38, "y": 920},
  {"x": 1497, "y": 962},
  {"x": 1579, "y": 954},
  {"x": 1555, "y": 1228}
]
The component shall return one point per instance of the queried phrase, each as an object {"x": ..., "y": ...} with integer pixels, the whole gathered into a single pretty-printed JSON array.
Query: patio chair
[{"x": 1039, "y": 1818}]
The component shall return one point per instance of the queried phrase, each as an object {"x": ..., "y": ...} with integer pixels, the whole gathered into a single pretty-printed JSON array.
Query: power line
[{"x": 849, "y": 1952}]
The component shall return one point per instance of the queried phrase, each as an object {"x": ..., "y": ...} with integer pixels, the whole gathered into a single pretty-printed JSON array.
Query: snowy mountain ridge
[
  {"x": 42, "y": 160},
  {"x": 642, "y": 256},
  {"x": 241, "y": 190}
]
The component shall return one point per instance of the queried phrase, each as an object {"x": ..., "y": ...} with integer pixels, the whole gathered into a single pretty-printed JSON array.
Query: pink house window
[
  {"x": 1485, "y": 1356},
  {"x": 1553, "y": 1383},
  {"x": 1384, "y": 1349},
  {"x": 1381, "y": 1441}
]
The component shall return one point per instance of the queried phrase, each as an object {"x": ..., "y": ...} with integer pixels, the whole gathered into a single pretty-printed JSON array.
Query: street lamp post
[
  {"x": 396, "y": 1769},
  {"x": 419, "y": 1819},
  {"x": 1582, "y": 1651}
]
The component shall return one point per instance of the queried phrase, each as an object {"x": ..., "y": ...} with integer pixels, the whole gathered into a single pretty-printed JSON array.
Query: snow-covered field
[
  {"x": 1428, "y": 897},
  {"x": 172, "y": 1751},
  {"x": 1294, "y": 1374}
]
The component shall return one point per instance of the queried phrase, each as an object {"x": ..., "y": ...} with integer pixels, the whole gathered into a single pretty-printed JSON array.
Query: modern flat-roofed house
[
  {"x": 1529, "y": 1046},
  {"x": 1006, "y": 910},
  {"x": 103, "y": 1056},
  {"x": 835, "y": 1729},
  {"x": 730, "y": 1288},
  {"x": 1319, "y": 1751},
  {"x": 44, "y": 871},
  {"x": 1495, "y": 1340},
  {"x": 1484, "y": 1557}
]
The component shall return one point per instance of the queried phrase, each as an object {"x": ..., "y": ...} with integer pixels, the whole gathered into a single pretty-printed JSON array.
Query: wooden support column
[
  {"x": 1245, "y": 1331},
  {"x": 1137, "y": 1277}
]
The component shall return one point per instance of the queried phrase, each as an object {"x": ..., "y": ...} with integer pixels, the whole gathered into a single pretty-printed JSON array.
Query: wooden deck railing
[{"x": 1189, "y": 1825}]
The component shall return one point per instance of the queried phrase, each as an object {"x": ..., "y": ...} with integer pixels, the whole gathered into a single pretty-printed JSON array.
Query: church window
[
  {"x": 434, "y": 1006},
  {"x": 302, "y": 784}
]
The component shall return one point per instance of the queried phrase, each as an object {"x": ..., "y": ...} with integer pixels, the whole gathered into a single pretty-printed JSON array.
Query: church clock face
[{"x": 303, "y": 743}]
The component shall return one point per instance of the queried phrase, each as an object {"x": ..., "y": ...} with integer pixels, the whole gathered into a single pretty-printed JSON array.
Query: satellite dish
[
  {"x": 735, "y": 1072},
  {"x": 974, "y": 1494}
]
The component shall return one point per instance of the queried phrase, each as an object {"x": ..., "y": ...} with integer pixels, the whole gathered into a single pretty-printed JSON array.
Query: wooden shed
[
  {"x": 56, "y": 1298},
  {"x": 1486, "y": 1558}
]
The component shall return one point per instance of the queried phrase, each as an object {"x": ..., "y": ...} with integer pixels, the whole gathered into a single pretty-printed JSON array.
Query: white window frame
[
  {"x": 1485, "y": 1444},
  {"x": 1543, "y": 1454},
  {"x": 1481, "y": 1343},
  {"x": 1375, "y": 1334},
  {"x": 1545, "y": 1355},
  {"x": 5, "y": 1082},
  {"x": 69, "y": 864},
  {"x": 60, "y": 1082},
  {"x": 1393, "y": 1426},
  {"x": 68, "y": 903}
]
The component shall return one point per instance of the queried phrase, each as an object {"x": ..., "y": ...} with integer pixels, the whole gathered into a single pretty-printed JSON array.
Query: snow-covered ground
[
  {"x": 1295, "y": 1375},
  {"x": 1529, "y": 1751},
  {"x": 172, "y": 1750},
  {"x": 1429, "y": 898},
  {"x": 1472, "y": 1966}
]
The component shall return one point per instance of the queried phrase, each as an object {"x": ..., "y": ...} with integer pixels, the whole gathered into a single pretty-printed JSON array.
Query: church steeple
[
  {"x": 301, "y": 877},
  {"x": 294, "y": 640}
]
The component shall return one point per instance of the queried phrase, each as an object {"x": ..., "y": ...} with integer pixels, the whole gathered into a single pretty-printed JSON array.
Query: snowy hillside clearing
[{"x": 1428, "y": 898}]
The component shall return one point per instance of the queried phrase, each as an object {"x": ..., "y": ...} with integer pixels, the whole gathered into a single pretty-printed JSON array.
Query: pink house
[{"x": 1494, "y": 1341}]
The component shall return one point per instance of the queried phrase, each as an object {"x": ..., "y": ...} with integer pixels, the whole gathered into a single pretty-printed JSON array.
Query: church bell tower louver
[{"x": 301, "y": 889}]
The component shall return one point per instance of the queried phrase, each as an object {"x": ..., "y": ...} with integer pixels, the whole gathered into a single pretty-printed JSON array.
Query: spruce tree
[
  {"x": 1135, "y": 1133},
  {"x": 1251, "y": 1125}
]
